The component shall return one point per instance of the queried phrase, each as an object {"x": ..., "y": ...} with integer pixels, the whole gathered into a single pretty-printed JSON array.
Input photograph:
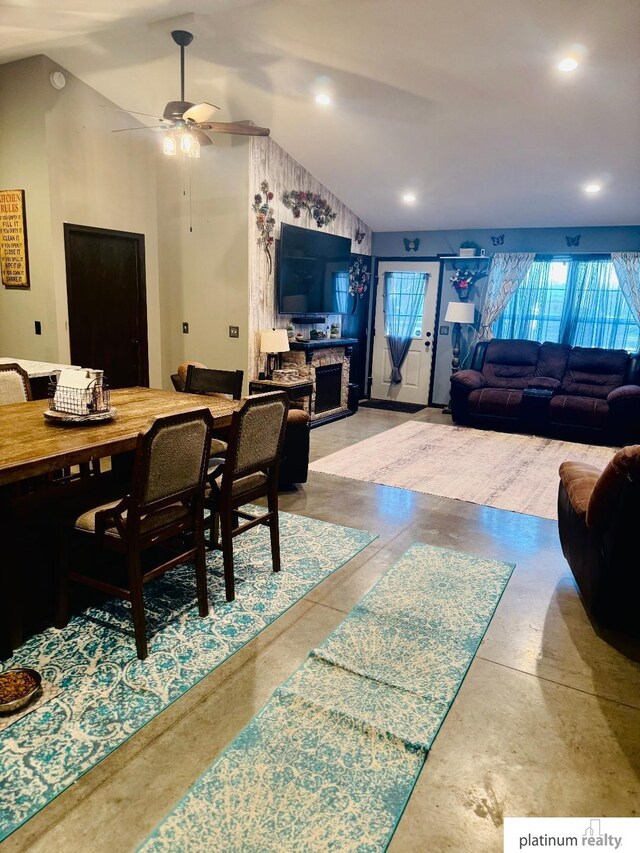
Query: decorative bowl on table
[{"x": 17, "y": 688}]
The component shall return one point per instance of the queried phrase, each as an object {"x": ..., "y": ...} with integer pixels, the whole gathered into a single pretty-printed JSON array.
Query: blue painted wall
[{"x": 552, "y": 241}]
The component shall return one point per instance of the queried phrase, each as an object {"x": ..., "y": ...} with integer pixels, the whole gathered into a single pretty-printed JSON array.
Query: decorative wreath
[
  {"x": 359, "y": 276},
  {"x": 315, "y": 205}
]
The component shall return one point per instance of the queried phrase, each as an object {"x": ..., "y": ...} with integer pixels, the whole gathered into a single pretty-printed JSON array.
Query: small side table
[{"x": 294, "y": 390}]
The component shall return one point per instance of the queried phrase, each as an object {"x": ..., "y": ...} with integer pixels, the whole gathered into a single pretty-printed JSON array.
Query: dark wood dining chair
[
  {"x": 248, "y": 472},
  {"x": 165, "y": 502},
  {"x": 203, "y": 380},
  {"x": 14, "y": 384}
]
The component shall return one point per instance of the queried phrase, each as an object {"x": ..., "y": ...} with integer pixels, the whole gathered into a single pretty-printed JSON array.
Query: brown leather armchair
[{"x": 597, "y": 516}]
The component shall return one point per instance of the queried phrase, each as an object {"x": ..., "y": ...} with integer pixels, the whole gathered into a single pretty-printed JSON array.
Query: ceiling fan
[{"x": 188, "y": 124}]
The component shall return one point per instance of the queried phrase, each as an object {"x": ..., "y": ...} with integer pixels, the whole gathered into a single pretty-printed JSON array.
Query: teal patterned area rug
[
  {"x": 108, "y": 694},
  {"x": 330, "y": 762}
]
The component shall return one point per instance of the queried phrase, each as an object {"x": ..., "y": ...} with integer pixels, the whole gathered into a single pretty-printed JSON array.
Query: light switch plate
[
  {"x": 444, "y": 330},
  {"x": 185, "y": 328},
  {"x": 234, "y": 331}
]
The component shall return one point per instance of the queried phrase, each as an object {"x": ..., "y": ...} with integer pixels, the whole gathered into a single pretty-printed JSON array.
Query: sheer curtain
[
  {"x": 595, "y": 311},
  {"x": 508, "y": 271},
  {"x": 529, "y": 314},
  {"x": 404, "y": 294}
]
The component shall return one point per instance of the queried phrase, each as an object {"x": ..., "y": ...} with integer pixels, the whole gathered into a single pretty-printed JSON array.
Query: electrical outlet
[
  {"x": 185, "y": 328},
  {"x": 38, "y": 326},
  {"x": 444, "y": 330},
  {"x": 234, "y": 331}
]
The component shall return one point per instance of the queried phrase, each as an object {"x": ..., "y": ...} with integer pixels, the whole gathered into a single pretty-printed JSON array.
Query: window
[
  {"x": 577, "y": 302},
  {"x": 404, "y": 303},
  {"x": 341, "y": 292}
]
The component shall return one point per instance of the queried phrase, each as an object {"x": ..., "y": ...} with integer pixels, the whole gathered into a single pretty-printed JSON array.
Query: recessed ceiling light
[
  {"x": 323, "y": 100},
  {"x": 568, "y": 64},
  {"x": 592, "y": 188},
  {"x": 409, "y": 198}
]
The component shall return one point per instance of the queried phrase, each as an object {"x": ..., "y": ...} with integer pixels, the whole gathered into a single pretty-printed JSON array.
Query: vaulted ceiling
[{"x": 458, "y": 101}]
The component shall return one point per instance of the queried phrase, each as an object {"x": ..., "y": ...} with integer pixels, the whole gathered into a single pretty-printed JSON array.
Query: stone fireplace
[{"x": 326, "y": 363}]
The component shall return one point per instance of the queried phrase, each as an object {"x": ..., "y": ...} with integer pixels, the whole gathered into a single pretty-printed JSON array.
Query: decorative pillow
[{"x": 182, "y": 370}]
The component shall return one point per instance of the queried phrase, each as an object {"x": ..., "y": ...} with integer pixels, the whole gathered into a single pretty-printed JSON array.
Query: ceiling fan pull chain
[{"x": 190, "y": 201}]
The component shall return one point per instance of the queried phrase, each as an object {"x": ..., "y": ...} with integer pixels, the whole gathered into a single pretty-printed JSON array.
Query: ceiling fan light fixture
[
  {"x": 189, "y": 145},
  {"x": 169, "y": 147}
]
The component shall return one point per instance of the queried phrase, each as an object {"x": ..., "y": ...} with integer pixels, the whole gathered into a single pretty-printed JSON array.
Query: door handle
[{"x": 427, "y": 344}]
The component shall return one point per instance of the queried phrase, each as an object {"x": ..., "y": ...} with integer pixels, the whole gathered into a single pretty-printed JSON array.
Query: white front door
[{"x": 416, "y": 370}]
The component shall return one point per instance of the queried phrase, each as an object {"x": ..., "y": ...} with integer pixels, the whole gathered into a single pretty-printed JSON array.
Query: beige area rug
[{"x": 504, "y": 470}]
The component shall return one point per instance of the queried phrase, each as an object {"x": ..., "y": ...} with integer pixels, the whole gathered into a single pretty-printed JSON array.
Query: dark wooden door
[{"x": 106, "y": 292}]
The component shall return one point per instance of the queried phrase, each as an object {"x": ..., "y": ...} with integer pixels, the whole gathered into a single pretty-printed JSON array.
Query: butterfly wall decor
[
  {"x": 411, "y": 245},
  {"x": 573, "y": 241},
  {"x": 497, "y": 240},
  {"x": 360, "y": 235}
]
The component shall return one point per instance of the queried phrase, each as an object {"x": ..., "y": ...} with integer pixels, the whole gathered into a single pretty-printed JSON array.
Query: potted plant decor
[{"x": 468, "y": 249}]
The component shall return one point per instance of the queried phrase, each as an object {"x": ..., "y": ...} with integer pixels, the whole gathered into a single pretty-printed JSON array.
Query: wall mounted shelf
[{"x": 464, "y": 257}]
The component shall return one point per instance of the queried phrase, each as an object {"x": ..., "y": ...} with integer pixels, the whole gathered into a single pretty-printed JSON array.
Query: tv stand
[{"x": 325, "y": 363}]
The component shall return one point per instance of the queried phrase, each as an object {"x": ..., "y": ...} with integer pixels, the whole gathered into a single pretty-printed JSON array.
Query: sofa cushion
[
  {"x": 552, "y": 360},
  {"x": 579, "y": 411},
  {"x": 594, "y": 372},
  {"x": 510, "y": 364},
  {"x": 496, "y": 402}
]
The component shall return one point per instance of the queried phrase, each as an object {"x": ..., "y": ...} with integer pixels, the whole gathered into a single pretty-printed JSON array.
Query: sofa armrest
[
  {"x": 579, "y": 480},
  {"x": 544, "y": 383},
  {"x": 624, "y": 392},
  {"x": 468, "y": 379}
]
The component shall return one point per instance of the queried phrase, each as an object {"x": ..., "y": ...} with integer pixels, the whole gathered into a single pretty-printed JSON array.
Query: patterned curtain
[
  {"x": 627, "y": 267},
  {"x": 508, "y": 271},
  {"x": 529, "y": 315},
  {"x": 404, "y": 294}
]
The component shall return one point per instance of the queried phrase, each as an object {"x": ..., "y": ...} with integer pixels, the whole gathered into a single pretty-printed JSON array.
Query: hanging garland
[
  {"x": 265, "y": 220},
  {"x": 314, "y": 204}
]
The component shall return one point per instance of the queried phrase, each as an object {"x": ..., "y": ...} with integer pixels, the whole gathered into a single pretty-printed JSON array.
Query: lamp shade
[
  {"x": 274, "y": 340},
  {"x": 460, "y": 312}
]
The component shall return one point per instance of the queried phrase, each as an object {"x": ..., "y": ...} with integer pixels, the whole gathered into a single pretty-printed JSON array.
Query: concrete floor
[{"x": 546, "y": 723}]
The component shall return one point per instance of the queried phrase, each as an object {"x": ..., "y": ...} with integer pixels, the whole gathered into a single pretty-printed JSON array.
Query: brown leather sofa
[
  {"x": 597, "y": 514},
  {"x": 578, "y": 393},
  {"x": 294, "y": 464}
]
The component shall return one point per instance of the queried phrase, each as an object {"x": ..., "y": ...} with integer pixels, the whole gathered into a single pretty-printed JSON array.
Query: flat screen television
[{"x": 313, "y": 272}]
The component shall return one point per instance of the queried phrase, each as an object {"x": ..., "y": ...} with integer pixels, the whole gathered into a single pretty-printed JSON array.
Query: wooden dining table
[{"x": 31, "y": 447}]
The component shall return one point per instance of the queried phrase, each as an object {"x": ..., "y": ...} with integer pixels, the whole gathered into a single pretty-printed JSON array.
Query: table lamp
[
  {"x": 273, "y": 342},
  {"x": 458, "y": 313}
]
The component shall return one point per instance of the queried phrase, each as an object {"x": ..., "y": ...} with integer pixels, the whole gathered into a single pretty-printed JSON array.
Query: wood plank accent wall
[{"x": 268, "y": 161}]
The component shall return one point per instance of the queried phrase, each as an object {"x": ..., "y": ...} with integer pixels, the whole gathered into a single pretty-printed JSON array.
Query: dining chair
[
  {"x": 203, "y": 380},
  {"x": 218, "y": 383},
  {"x": 249, "y": 471},
  {"x": 165, "y": 502},
  {"x": 14, "y": 384}
]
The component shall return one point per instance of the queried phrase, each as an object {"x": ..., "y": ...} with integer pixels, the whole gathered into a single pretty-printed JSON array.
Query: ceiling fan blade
[
  {"x": 127, "y": 129},
  {"x": 201, "y": 112},
  {"x": 202, "y": 137},
  {"x": 131, "y": 112},
  {"x": 236, "y": 127}
]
